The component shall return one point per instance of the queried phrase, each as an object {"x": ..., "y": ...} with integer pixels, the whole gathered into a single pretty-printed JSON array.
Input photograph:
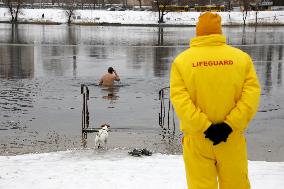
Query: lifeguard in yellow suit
[{"x": 215, "y": 92}]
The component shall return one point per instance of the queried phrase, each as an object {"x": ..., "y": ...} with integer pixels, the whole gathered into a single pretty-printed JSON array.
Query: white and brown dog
[{"x": 101, "y": 137}]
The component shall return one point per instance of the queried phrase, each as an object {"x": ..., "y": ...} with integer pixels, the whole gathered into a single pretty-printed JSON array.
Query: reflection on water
[
  {"x": 268, "y": 79},
  {"x": 162, "y": 57},
  {"x": 161, "y": 36},
  {"x": 133, "y": 36},
  {"x": 54, "y": 63},
  {"x": 280, "y": 60},
  {"x": 42, "y": 67},
  {"x": 268, "y": 62},
  {"x": 111, "y": 93},
  {"x": 16, "y": 62}
]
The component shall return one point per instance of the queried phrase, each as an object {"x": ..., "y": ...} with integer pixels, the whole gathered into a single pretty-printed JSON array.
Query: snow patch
[
  {"x": 139, "y": 17},
  {"x": 111, "y": 170}
]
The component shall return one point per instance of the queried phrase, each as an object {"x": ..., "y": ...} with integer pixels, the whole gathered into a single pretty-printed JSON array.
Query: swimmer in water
[{"x": 109, "y": 78}]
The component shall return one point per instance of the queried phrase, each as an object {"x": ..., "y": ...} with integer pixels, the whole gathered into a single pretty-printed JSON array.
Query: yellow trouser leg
[
  {"x": 232, "y": 163},
  {"x": 201, "y": 172}
]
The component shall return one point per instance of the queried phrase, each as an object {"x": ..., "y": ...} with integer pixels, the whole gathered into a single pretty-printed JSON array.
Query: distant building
[{"x": 261, "y": 5}]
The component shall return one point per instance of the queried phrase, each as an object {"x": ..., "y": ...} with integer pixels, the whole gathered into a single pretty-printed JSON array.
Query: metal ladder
[{"x": 85, "y": 113}]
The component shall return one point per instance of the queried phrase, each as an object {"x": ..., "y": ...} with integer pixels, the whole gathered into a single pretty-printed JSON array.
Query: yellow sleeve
[
  {"x": 247, "y": 106},
  {"x": 195, "y": 120}
]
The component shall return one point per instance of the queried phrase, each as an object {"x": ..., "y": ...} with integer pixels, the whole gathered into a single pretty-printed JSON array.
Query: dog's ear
[{"x": 105, "y": 125}]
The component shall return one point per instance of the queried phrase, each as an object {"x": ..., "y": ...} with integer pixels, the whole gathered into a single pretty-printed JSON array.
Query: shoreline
[
  {"x": 138, "y": 18},
  {"x": 135, "y": 25}
]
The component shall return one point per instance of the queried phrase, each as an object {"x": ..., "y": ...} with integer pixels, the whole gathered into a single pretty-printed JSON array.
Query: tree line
[{"x": 70, "y": 6}]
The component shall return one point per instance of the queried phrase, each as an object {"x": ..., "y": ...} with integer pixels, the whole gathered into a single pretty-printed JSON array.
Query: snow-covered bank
[
  {"x": 139, "y": 17},
  {"x": 88, "y": 169}
]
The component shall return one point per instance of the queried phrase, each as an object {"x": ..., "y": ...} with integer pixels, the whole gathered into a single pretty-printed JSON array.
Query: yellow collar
[{"x": 208, "y": 40}]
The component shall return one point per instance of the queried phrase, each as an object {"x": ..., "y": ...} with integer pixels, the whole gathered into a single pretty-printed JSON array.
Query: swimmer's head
[{"x": 110, "y": 70}]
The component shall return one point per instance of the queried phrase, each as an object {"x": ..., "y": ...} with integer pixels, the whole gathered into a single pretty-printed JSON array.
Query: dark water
[{"x": 42, "y": 67}]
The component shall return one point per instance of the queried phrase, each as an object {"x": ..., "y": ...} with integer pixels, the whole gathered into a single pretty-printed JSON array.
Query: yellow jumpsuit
[{"x": 212, "y": 82}]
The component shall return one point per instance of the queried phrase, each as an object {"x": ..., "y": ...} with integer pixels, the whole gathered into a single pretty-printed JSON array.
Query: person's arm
[
  {"x": 101, "y": 81},
  {"x": 186, "y": 110},
  {"x": 246, "y": 107},
  {"x": 116, "y": 76}
]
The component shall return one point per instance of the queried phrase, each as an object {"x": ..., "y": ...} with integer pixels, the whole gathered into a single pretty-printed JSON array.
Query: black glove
[{"x": 218, "y": 133}]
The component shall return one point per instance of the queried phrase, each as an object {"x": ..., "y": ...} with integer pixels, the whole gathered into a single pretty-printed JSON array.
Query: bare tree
[
  {"x": 245, "y": 4},
  {"x": 162, "y": 8},
  {"x": 14, "y": 8},
  {"x": 278, "y": 2},
  {"x": 229, "y": 5},
  {"x": 124, "y": 3},
  {"x": 257, "y": 7},
  {"x": 140, "y": 3},
  {"x": 70, "y": 6},
  {"x": 95, "y": 2}
]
